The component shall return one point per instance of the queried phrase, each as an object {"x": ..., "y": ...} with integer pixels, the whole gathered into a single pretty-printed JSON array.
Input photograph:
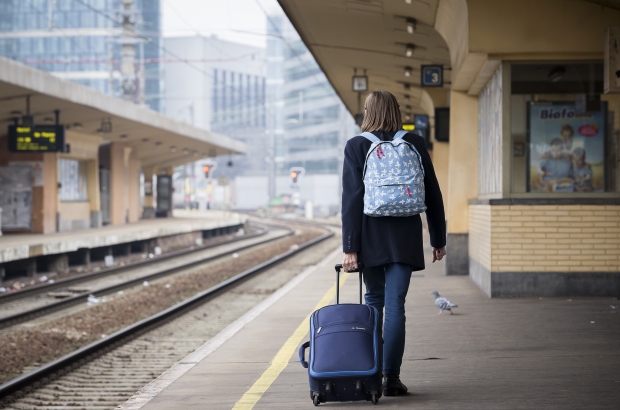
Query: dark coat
[{"x": 381, "y": 240}]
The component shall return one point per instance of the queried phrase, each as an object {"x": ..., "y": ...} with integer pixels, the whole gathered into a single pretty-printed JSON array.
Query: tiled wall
[{"x": 545, "y": 238}]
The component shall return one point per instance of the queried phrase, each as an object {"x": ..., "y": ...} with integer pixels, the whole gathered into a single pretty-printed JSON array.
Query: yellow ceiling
[{"x": 370, "y": 35}]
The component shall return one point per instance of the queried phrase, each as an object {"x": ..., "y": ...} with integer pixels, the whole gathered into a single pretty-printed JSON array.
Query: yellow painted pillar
[
  {"x": 441, "y": 161},
  {"x": 133, "y": 183},
  {"x": 92, "y": 175},
  {"x": 462, "y": 178},
  {"x": 118, "y": 189}
]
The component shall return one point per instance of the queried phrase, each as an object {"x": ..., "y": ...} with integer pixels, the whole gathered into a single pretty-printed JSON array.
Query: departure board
[{"x": 38, "y": 138}]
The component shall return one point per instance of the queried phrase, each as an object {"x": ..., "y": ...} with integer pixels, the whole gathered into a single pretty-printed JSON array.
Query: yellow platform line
[{"x": 282, "y": 358}]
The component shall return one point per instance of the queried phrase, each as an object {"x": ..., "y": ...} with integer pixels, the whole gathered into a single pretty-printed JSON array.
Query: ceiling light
[
  {"x": 408, "y": 107},
  {"x": 407, "y": 71},
  {"x": 407, "y": 117},
  {"x": 408, "y": 1},
  {"x": 407, "y": 99},
  {"x": 195, "y": 154},
  {"x": 123, "y": 136},
  {"x": 77, "y": 125},
  {"x": 409, "y": 50},
  {"x": 556, "y": 74},
  {"x": 186, "y": 151},
  {"x": 407, "y": 86},
  {"x": 145, "y": 140},
  {"x": 173, "y": 148},
  {"x": 158, "y": 143},
  {"x": 410, "y": 26}
]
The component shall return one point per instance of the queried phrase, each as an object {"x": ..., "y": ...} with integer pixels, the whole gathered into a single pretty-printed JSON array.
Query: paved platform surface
[
  {"x": 491, "y": 354},
  {"x": 20, "y": 246}
]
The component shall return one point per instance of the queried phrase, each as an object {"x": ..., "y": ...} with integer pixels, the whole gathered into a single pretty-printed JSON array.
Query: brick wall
[{"x": 545, "y": 238}]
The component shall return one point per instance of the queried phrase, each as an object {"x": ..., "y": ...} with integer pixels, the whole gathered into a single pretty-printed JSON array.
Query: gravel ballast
[{"x": 27, "y": 348}]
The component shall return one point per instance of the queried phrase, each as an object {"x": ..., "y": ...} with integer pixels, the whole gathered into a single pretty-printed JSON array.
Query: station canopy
[
  {"x": 372, "y": 35},
  {"x": 157, "y": 139}
]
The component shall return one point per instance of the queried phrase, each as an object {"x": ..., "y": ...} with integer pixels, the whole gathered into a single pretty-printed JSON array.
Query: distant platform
[{"x": 21, "y": 246}]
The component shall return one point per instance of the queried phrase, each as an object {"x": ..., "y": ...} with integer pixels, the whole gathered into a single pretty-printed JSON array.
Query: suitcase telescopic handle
[{"x": 338, "y": 267}]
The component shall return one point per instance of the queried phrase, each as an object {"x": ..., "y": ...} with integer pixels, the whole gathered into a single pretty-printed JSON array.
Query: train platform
[
  {"x": 490, "y": 354},
  {"x": 20, "y": 246}
]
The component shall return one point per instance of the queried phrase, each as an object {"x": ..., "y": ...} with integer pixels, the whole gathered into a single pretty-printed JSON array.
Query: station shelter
[
  {"x": 522, "y": 98},
  {"x": 114, "y": 166}
]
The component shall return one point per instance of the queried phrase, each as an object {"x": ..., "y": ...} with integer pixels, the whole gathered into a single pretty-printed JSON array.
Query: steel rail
[
  {"x": 61, "y": 283},
  {"x": 48, "y": 369},
  {"x": 73, "y": 300}
]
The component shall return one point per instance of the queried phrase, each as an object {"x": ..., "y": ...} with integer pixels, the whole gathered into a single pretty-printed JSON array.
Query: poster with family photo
[{"x": 566, "y": 150}]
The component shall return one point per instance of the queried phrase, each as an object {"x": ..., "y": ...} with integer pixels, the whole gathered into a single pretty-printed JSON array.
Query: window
[
  {"x": 562, "y": 137},
  {"x": 72, "y": 179}
]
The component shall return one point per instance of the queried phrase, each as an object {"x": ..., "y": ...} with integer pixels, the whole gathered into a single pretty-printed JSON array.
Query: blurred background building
[{"x": 82, "y": 41}]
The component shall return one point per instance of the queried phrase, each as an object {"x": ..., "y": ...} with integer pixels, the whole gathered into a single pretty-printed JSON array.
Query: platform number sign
[
  {"x": 360, "y": 83},
  {"x": 432, "y": 76}
]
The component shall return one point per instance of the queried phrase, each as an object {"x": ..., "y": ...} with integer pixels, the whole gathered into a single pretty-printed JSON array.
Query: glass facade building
[
  {"x": 310, "y": 123},
  {"x": 77, "y": 40}
]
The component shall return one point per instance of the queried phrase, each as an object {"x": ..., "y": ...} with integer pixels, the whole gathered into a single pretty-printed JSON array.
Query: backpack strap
[
  {"x": 369, "y": 136},
  {"x": 400, "y": 134}
]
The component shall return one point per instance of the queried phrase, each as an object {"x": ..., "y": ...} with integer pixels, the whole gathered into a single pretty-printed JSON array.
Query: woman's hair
[{"x": 381, "y": 113}]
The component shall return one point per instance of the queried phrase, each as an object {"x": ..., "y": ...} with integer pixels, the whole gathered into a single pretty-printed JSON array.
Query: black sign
[
  {"x": 431, "y": 75},
  {"x": 38, "y": 138}
]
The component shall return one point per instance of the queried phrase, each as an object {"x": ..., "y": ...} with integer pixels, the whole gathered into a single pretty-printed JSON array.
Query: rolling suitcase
[{"x": 346, "y": 351}]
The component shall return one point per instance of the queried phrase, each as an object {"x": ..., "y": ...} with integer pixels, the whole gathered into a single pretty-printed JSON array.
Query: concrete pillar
[
  {"x": 58, "y": 263},
  {"x": 133, "y": 184},
  {"x": 148, "y": 210},
  {"x": 118, "y": 184},
  {"x": 462, "y": 178},
  {"x": 92, "y": 174}
]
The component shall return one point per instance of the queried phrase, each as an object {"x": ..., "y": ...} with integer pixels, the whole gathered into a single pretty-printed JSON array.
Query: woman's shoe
[{"x": 392, "y": 386}]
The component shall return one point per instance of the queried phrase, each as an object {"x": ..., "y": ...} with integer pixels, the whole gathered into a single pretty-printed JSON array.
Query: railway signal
[
  {"x": 295, "y": 173},
  {"x": 207, "y": 170}
]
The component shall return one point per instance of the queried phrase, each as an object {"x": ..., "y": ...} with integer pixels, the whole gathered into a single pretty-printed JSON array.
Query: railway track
[
  {"x": 108, "y": 371},
  {"x": 36, "y": 303}
]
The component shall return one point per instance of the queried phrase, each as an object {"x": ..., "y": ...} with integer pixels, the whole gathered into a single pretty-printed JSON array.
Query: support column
[
  {"x": 92, "y": 171},
  {"x": 148, "y": 211},
  {"x": 133, "y": 176},
  {"x": 462, "y": 178},
  {"x": 118, "y": 181}
]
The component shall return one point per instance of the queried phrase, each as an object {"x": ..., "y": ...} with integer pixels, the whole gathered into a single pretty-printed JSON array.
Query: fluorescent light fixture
[
  {"x": 407, "y": 71},
  {"x": 409, "y": 50},
  {"x": 410, "y": 26}
]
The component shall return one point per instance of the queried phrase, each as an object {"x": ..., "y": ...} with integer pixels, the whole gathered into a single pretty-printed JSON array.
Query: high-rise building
[
  {"x": 308, "y": 123},
  {"x": 219, "y": 86},
  {"x": 80, "y": 40},
  {"x": 311, "y": 119}
]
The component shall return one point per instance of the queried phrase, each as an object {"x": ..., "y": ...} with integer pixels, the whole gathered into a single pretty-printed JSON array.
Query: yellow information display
[
  {"x": 408, "y": 126},
  {"x": 38, "y": 138}
]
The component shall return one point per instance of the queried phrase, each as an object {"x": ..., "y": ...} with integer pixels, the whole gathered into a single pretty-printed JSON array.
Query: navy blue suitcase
[{"x": 346, "y": 351}]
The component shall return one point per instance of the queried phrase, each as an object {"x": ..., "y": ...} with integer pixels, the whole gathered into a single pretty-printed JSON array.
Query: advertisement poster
[{"x": 566, "y": 151}]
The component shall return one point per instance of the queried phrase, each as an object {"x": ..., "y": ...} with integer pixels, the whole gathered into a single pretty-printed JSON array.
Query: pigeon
[{"x": 443, "y": 303}]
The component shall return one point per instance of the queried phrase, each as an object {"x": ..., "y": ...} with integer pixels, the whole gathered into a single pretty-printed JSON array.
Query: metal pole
[{"x": 142, "y": 74}]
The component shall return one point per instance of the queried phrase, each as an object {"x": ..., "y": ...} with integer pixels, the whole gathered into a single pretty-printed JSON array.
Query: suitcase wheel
[
  {"x": 315, "y": 400},
  {"x": 374, "y": 398}
]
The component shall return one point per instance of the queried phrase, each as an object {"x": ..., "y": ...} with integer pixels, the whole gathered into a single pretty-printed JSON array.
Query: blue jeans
[{"x": 387, "y": 286}]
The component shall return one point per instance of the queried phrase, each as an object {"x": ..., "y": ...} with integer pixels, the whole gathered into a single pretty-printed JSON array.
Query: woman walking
[{"x": 388, "y": 247}]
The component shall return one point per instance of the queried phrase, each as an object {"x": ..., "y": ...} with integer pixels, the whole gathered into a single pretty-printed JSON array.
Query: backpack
[{"x": 393, "y": 178}]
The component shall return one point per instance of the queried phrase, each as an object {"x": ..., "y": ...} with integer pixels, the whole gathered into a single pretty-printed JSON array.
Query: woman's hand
[
  {"x": 438, "y": 253},
  {"x": 349, "y": 261}
]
